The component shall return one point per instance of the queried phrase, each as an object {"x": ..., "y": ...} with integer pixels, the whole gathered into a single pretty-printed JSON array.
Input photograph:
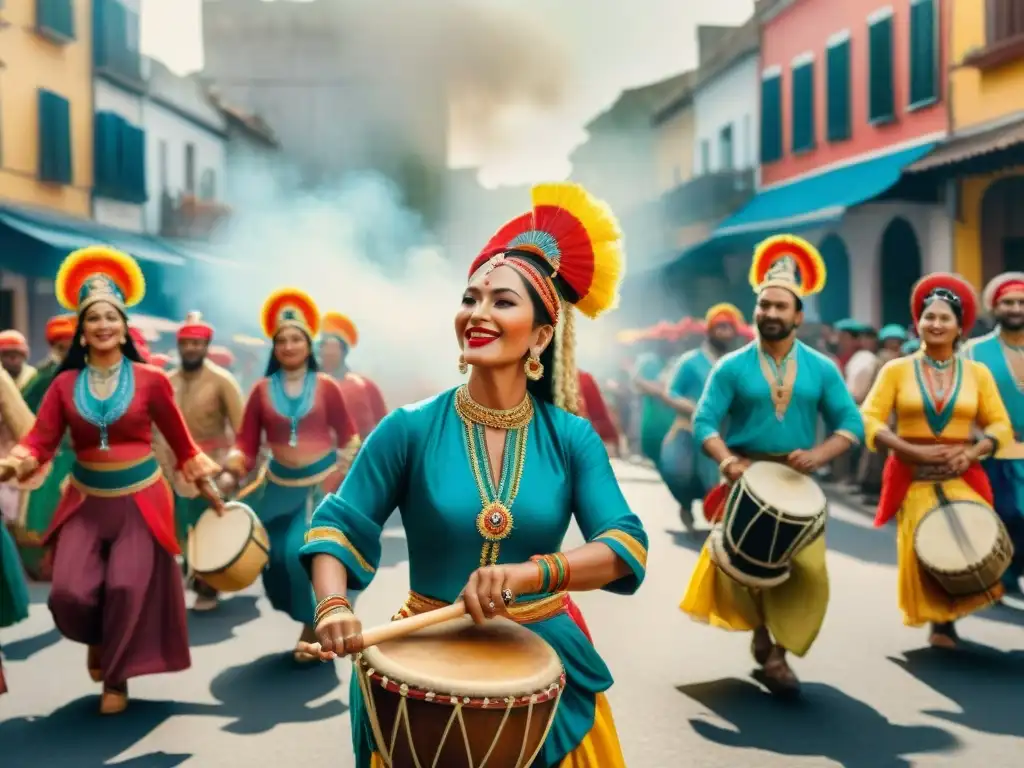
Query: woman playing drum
[
  {"x": 309, "y": 432},
  {"x": 116, "y": 587},
  {"x": 937, "y": 398},
  {"x": 497, "y": 468}
]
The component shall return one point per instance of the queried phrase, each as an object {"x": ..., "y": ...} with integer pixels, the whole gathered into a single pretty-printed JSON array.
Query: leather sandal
[
  {"x": 943, "y": 636},
  {"x": 777, "y": 676},
  {"x": 114, "y": 701},
  {"x": 93, "y": 664}
]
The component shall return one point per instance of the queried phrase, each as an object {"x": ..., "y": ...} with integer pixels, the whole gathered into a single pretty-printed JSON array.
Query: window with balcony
[
  {"x": 55, "y": 20},
  {"x": 54, "y": 138},
  {"x": 881, "y": 98},
  {"x": 120, "y": 159},
  {"x": 837, "y": 87},
  {"x": 803, "y": 104},
  {"x": 771, "y": 116},
  {"x": 924, "y": 53},
  {"x": 115, "y": 45},
  {"x": 1004, "y": 38}
]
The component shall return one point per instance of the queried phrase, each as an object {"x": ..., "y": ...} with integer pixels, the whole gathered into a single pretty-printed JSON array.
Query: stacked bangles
[
  {"x": 329, "y": 606},
  {"x": 554, "y": 572}
]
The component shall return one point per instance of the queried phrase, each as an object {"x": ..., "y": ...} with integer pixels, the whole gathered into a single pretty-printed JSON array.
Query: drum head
[
  {"x": 784, "y": 489},
  {"x": 217, "y": 540},
  {"x": 499, "y": 658},
  {"x": 948, "y": 546}
]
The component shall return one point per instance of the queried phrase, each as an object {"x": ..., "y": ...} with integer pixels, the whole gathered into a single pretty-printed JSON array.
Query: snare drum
[
  {"x": 459, "y": 695},
  {"x": 964, "y": 546},
  {"x": 228, "y": 551},
  {"x": 770, "y": 515}
]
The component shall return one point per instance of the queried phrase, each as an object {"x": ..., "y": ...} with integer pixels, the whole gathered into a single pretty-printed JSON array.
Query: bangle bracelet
[
  {"x": 329, "y": 603},
  {"x": 328, "y": 613},
  {"x": 726, "y": 462},
  {"x": 554, "y": 572}
]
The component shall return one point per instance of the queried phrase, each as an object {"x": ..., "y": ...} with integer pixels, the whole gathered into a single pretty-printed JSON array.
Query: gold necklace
[{"x": 470, "y": 410}]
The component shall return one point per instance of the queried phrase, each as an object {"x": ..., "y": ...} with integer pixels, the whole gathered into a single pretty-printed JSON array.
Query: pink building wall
[{"x": 807, "y": 25}]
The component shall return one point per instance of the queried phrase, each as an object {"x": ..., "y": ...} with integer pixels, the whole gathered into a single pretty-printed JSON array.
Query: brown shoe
[
  {"x": 204, "y": 604},
  {"x": 777, "y": 676},
  {"x": 114, "y": 701},
  {"x": 93, "y": 664}
]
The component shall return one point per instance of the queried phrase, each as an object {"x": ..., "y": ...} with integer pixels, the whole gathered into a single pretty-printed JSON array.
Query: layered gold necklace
[{"x": 494, "y": 522}]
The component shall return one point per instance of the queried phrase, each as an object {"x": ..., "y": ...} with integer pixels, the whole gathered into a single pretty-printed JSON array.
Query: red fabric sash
[
  {"x": 576, "y": 615},
  {"x": 714, "y": 502},
  {"x": 898, "y": 476}
]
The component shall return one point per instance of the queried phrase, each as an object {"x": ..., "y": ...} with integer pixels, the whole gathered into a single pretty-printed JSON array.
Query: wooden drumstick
[
  {"x": 394, "y": 629},
  {"x": 209, "y": 492}
]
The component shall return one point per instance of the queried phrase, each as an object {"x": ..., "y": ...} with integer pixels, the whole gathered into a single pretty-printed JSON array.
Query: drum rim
[
  {"x": 1002, "y": 536},
  {"x": 720, "y": 557},
  {"x": 251, "y": 538},
  {"x": 778, "y": 467},
  {"x": 370, "y": 660}
]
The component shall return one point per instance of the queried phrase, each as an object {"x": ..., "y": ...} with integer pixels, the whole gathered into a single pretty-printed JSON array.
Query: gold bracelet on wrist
[{"x": 728, "y": 460}]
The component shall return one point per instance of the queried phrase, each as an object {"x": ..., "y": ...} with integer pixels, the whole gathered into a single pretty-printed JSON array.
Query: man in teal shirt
[{"x": 773, "y": 391}]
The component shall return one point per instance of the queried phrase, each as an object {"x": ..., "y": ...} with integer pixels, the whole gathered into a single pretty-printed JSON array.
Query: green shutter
[
  {"x": 771, "y": 119},
  {"x": 55, "y": 20},
  {"x": 54, "y": 138},
  {"x": 881, "y": 106},
  {"x": 924, "y": 51},
  {"x": 803, "y": 107},
  {"x": 137, "y": 169},
  {"x": 838, "y": 85}
]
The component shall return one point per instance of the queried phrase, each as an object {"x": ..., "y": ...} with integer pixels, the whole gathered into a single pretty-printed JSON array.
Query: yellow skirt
[
  {"x": 793, "y": 611},
  {"x": 599, "y": 748},
  {"x": 920, "y": 597}
]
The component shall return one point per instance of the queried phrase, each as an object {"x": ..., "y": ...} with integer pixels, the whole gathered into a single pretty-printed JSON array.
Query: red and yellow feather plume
[
  {"x": 290, "y": 306},
  {"x": 724, "y": 313},
  {"x": 117, "y": 267},
  {"x": 577, "y": 235},
  {"x": 957, "y": 285},
  {"x": 809, "y": 264},
  {"x": 340, "y": 325}
]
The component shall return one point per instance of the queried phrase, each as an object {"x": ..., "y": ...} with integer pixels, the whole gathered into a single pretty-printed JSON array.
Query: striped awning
[{"x": 961, "y": 149}]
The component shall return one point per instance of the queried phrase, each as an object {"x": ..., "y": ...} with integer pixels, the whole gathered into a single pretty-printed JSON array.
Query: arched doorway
[
  {"x": 834, "y": 301},
  {"x": 899, "y": 267},
  {"x": 1002, "y": 227}
]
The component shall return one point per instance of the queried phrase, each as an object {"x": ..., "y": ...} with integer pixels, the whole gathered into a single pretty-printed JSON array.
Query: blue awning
[
  {"x": 64, "y": 234},
  {"x": 821, "y": 199}
]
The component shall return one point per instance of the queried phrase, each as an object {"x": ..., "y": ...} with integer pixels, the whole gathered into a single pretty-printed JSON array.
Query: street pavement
[{"x": 874, "y": 695}]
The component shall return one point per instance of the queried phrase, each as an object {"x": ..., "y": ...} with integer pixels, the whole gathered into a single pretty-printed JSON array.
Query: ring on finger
[
  {"x": 491, "y": 605},
  {"x": 507, "y": 597}
]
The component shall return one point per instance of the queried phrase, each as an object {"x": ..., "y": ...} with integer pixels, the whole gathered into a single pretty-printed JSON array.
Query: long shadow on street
[
  {"x": 985, "y": 683},
  {"x": 217, "y": 626},
  {"x": 20, "y": 650},
  {"x": 76, "y": 736},
  {"x": 830, "y": 724},
  {"x": 271, "y": 691}
]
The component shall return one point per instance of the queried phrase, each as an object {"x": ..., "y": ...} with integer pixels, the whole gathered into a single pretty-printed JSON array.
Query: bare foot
[
  {"x": 777, "y": 676},
  {"x": 943, "y": 636},
  {"x": 114, "y": 700},
  {"x": 204, "y": 603},
  {"x": 761, "y": 645}
]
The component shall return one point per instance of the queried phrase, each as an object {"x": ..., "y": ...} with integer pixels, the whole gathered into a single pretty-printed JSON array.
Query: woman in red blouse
[
  {"x": 116, "y": 587},
  {"x": 311, "y": 438},
  {"x": 594, "y": 408}
]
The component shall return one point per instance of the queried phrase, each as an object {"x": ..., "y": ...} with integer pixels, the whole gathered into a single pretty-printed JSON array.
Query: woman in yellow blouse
[{"x": 938, "y": 398}]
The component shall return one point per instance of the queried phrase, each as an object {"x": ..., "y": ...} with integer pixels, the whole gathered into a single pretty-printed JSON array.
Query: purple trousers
[{"x": 115, "y": 587}]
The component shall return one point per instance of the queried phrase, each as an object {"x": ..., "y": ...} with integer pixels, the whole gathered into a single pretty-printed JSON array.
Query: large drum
[
  {"x": 770, "y": 515},
  {"x": 458, "y": 695},
  {"x": 964, "y": 546},
  {"x": 228, "y": 551}
]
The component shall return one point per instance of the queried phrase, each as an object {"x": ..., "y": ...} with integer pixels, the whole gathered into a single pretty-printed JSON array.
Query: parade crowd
[{"x": 124, "y": 485}]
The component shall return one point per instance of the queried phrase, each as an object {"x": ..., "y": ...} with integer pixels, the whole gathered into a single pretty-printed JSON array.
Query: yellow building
[
  {"x": 46, "y": 114},
  {"x": 982, "y": 165}
]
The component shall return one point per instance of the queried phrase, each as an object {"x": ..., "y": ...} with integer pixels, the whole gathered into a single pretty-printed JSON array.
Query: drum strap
[{"x": 963, "y": 541}]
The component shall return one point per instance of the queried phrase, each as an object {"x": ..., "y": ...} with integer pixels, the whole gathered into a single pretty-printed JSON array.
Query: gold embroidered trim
[
  {"x": 303, "y": 482},
  {"x": 781, "y": 392},
  {"x": 324, "y": 533},
  {"x": 848, "y": 435},
  {"x": 527, "y": 612},
  {"x": 636, "y": 550},
  {"x": 158, "y": 474}
]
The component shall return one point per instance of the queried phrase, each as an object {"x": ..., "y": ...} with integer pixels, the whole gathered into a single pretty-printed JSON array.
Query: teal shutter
[
  {"x": 771, "y": 118},
  {"x": 924, "y": 51},
  {"x": 838, "y": 87},
  {"x": 881, "y": 106},
  {"x": 137, "y": 168},
  {"x": 55, "y": 20},
  {"x": 803, "y": 107},
  {"x": 54, "y": 138}
]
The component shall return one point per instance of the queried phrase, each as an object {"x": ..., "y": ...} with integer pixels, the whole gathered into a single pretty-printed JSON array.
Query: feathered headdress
[
  {"x": 790, "y": 262},
  {"x": 337, "y": 324},
  {"x": 961, "y": 290},
  {"x": 724, "y": 313},
  {"x": 999, "y": 286},
  {"x": 99, "y": 273},
  {"x": 194, "y": 328},
  {"x": 290, "y": 307}
]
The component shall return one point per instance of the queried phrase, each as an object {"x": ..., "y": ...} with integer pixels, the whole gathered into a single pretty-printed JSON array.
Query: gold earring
[
  {"x": 534, "y": 368},
  {"x": 463, "y": 365},
  {"x": 82, "y": 341}
]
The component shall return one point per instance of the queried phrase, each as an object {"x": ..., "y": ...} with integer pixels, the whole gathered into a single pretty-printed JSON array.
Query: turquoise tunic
[
  {"x": 739, "y": 388},
  {"x": 13, "y": 589},
  {"x": 687, "y": 471},
  {"x": 417, "y": 460},
  {"x": 655, "y": 417}
]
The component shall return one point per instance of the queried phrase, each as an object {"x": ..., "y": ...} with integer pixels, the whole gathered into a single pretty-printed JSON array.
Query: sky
[{"x": 610, "y": 46}]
